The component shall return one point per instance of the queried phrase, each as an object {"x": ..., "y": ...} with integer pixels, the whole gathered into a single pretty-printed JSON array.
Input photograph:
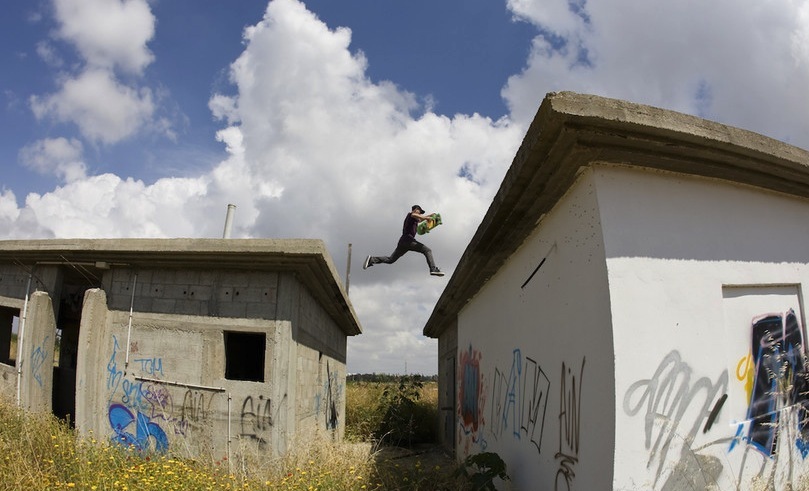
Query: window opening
[
  {"x": 9, "y": 327},
  {"x": 244, "y": 356}
]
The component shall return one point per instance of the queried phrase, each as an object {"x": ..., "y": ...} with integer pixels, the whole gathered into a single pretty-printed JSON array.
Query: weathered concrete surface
[
  {"x": 91, "y": 365},
  {"x": 39, "y": 336},
  {"x": 208, "y": 347},
  {"x": 174, "y": 380}
]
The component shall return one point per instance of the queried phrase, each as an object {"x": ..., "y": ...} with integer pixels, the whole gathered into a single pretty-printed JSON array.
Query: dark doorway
[{"x": 76, "y": 279}]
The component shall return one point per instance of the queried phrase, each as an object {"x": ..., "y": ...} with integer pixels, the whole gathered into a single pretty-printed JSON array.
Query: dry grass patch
[{"x": 40, "y": 452}]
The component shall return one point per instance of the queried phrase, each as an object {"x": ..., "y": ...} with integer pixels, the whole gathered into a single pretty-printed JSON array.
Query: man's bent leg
[
  {"x": 428, "y": 253},
  {"x": 397, "y": 253}
]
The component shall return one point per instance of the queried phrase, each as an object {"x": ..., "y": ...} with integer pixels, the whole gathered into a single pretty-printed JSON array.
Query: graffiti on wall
[
  {"x": 196, "y": 407},
  {"x": 145, "y": 433},
  {"x": 38, "y": 356},
  {"x": 535, "y": 402},
  {"x": 520, "y": 400},
  {"x": 569, "y": 424},
  {"x": 506, "y": 398},
  {"x": 776, "y": 379},
  {"x": 256, "y": 419},
  {"x": 471, "y": 399},
  {"x": 677, "y": 406},
  {"x": 114, "y": 374},
  {"x": 470, "y": 390},
  {"x": 150, "y": 366},
  {"x": 674, "y": 405},
  {"x": 328, "y": 397},
  {"x": 144, "y": 413}
]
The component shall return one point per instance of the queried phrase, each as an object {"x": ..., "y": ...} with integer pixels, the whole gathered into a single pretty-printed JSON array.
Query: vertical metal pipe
[
  {"x": 348, "y": 268},
  {"x": 229, "y": 399},
  {"x": 20, "y": 336},
  {"x": 229, "y": 221},
  {"x": 129, "y": 329}
]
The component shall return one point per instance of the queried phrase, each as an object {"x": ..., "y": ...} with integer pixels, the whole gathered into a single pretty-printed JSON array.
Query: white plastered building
[{"x": 630, "y": 314}]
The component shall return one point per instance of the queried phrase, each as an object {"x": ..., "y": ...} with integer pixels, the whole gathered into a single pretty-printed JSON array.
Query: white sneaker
[
  {"x": 367, "y": 264},
  {"x": 436, "y": 272}
]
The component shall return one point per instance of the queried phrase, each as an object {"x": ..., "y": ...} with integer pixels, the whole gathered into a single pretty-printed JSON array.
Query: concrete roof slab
[{"x": 307, "y": 258}]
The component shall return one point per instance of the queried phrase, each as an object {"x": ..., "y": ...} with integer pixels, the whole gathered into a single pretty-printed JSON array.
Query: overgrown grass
[
  {"x": 400, "y": 412},
  {"x": 41, "y": 452}
]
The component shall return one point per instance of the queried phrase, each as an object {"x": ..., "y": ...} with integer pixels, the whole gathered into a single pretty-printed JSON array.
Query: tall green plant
[
  {"x": 399, "y": 425},
  {"x": 481, "y": 469}
]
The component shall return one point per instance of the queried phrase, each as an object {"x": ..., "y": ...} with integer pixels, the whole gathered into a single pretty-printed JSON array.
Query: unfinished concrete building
[
  {"x": 202, "y": 346},
  {"x": 630, "y": 312}
]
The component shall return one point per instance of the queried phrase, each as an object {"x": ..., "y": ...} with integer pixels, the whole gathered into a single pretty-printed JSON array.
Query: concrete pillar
[
  {"x": 39, "y": 338},
  {"x": 286, "y": 358},
  {"x": 91, "y": 367}
]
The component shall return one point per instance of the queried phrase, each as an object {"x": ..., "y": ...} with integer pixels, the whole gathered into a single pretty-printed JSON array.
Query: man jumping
[{"x": 408, "y": 242}]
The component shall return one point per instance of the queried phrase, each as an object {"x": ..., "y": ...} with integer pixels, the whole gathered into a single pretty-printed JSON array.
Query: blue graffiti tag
[
  {"x": 506, "y": 392},
  {"x": 152, "y": 366},
  {"x": 37, "y": 360},
  {"x": 780, "y": 380},
  {"x": 121, "y": 418},
  {"x": 114, "y": 375}
]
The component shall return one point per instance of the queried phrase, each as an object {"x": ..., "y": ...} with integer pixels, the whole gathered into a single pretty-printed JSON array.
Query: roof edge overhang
[
  {"x": 572, "y": 131},
  {"x": 307, "y": 258}
]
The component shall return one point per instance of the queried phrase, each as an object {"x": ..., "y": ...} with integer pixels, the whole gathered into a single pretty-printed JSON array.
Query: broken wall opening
[
  {"x": 244, "y": 355},
  {"x": 76, "y": 280},
  {"x": 9, "y": 326}
]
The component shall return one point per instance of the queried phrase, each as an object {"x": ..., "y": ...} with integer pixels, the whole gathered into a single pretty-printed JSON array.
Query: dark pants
[{"x": 401, "y": 248}]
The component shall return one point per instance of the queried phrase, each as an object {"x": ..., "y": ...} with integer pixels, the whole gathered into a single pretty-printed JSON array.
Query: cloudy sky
[{"x": 329, "y": 118}]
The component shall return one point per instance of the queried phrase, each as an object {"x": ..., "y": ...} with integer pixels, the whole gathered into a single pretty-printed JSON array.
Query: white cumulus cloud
[
  {"x": 104, "y": 110},
  {"x": 315, "y": 150},
  {"x": 108, "y": 33},
  {"x": 109, "y": 36},
  {"x": 61, "y": 157},
  {"x": 741, "y": 62}
]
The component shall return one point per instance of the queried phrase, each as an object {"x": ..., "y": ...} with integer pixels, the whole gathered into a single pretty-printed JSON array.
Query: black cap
[{"x": 421, "y": 210}]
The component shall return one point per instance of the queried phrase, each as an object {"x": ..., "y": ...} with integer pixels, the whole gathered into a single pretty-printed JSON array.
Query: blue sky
[
  {"x": 145, "y": 118},
  {"x": 432, "y": 49},
  {"x": 459, "y": 52},
  {"x": 194, "y": 43}
]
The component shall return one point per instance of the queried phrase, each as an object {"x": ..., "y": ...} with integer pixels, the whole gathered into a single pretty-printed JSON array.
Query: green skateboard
[{"x": 432, "y": 221}]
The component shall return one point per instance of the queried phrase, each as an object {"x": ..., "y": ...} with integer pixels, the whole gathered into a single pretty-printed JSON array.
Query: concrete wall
[
  {"x": 32, "y": 378},
  {"x": 447, "y": 385},
  {"x": 41, "y": 284},
  {"x": 14, "y": 279},
  {"x": 188, "y": 413},
  {"x": 209, "y": 348},
  {"x": 693, "y": 265},
  {"x": 213, "y": 292},
  {"x": 174, "y": 382},
  {"x": 320, "y": 393},
  {"x": 535, "y": 355}
]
